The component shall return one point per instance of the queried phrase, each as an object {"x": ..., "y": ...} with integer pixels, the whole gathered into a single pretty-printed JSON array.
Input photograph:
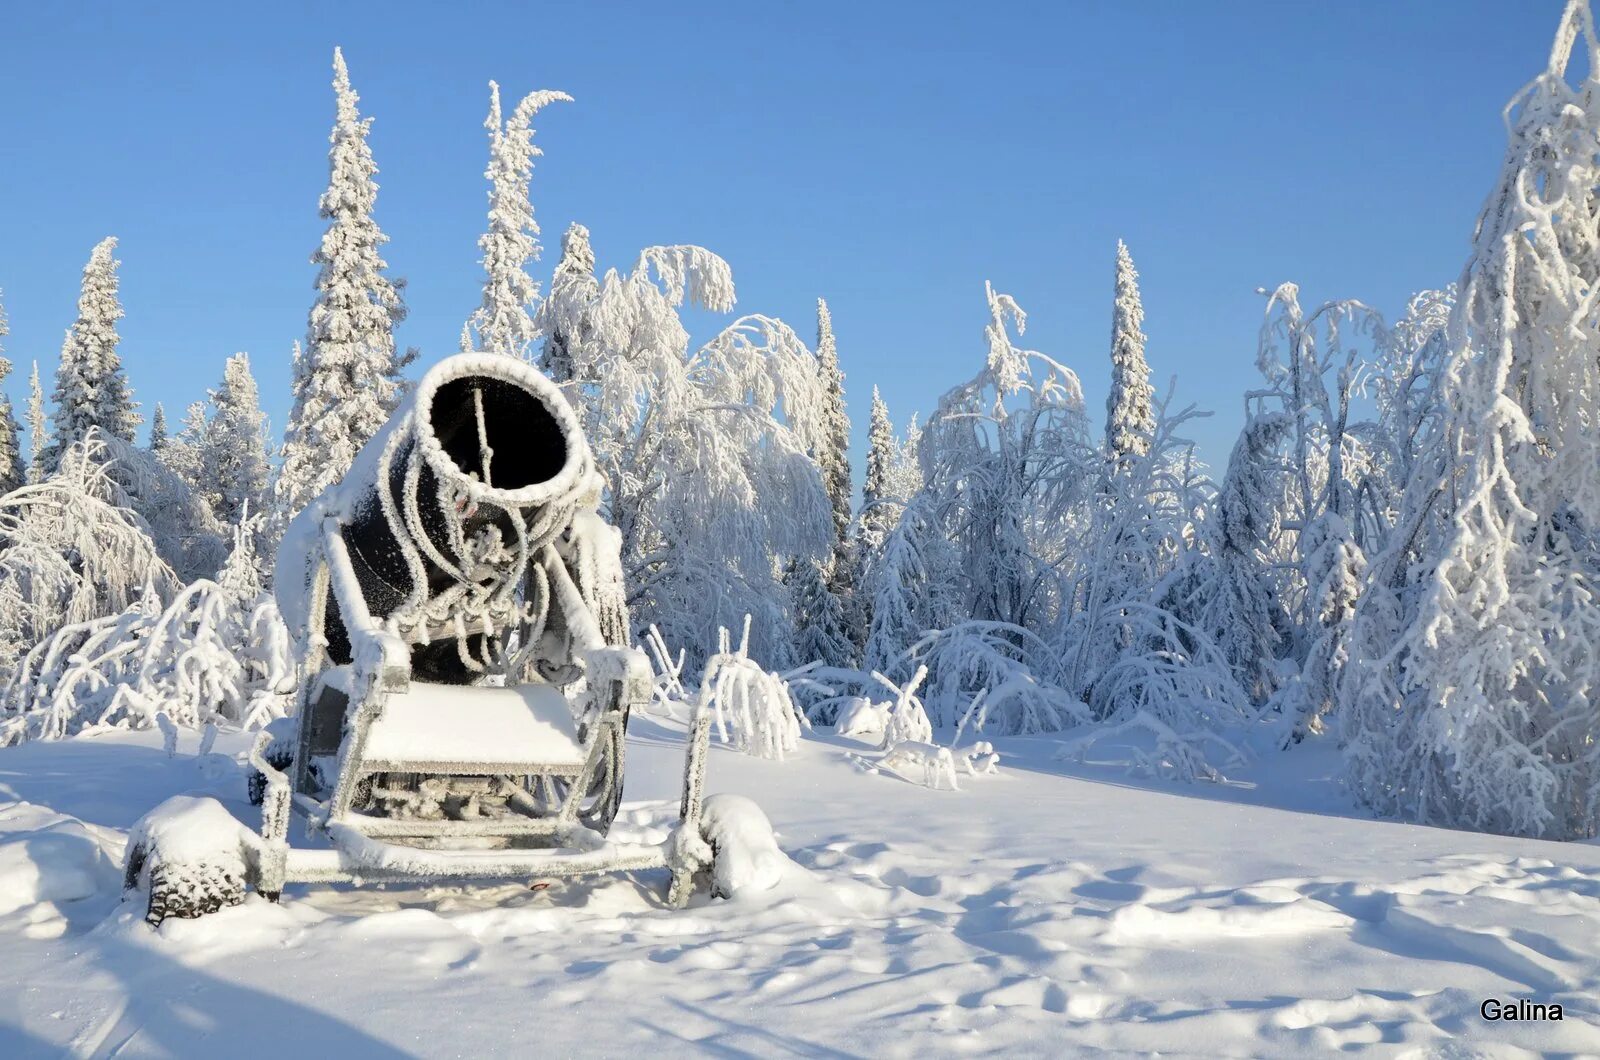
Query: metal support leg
[
  {"x": 694, "y": 780},
  {"x": 273, "y": 855}
]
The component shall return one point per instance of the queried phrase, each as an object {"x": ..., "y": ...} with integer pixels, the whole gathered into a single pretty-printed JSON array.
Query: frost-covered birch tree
[
  {"x": 705, "y": 452},
  {"x": 1006, "y": 453},
  {"x": 70, "y": 553},
  {"x": 912, "y": 585},
  {"x": 1237, "y": 607},
  {"x": 1129, "y": 419},
  {"x": 91, "y": 390},
  {"x": 1475, "y": 678},
  {"x": 348, "y": 379},
  {"x": 1314, "y": 364},
  {"x": 504, "y": 321}
]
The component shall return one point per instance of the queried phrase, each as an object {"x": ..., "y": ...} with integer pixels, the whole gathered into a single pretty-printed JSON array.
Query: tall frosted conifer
[
  {"x": 38, "y": 430},
  {"x": 1130, "y": 419},
  {"x": 564, "y": 316},
  {"x": 879, "y": 506},
  {"x": 11, "y": 471},
  {"x": 504, "y": 321},
  {"x": 233, "y": 449},
  {"x": 158, "y": 429},
  {"x": 91, "y": 390},
  {"x": 348, "y": 378}
]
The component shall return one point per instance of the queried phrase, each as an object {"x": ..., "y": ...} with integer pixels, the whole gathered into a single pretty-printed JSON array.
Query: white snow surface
[{"x": 1048, "y": 909}]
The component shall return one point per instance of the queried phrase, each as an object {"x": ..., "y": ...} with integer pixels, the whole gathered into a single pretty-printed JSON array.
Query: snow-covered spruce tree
[
  {"x": 347, "y": 380},
  {"x": 880, "y": 508},
  {"x": 180, "y": 453},
  {"x": 504, "y": 320},
  {"x": 706, "y": 454},
  {"x": 833, "y": 458},
  {"x": 834, "y": 455},
  {"x": 563, "y": 315},
  {"x": 1474, "y": 674},
  {"x": 38, "y": 431},
  {"x": 233, "y": 471},
  {"x": 158, "y": 429},
  {"x": 1129, "y": 419},
  {"x": 822, "y": 630},
  {"x": 11, "y": 469},
  {"x": 91, "y": 390},
  {"x": 1237, "y": 603}
]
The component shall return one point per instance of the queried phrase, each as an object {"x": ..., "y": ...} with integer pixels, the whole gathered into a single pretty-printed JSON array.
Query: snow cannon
[
  {"x": 465, "y": 676},
  {"x": 446, "y": 517}
]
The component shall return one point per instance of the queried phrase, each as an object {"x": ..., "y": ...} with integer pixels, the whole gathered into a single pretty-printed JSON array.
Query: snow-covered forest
[
  {"x": 1397, "y": 569},
  {"x": 1395, "y": 557}
]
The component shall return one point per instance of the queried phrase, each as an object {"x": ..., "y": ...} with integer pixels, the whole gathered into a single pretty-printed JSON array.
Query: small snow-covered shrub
[
  {"x": 979, "y": 759},
  {"x": 908, "y": 748},
  {"x": 751, "y": 701},
  {"x": 922, "y": 763},
  {"x": 218, "y": 652},
  {"x": 860, "y": 716},
  {"x": 907, "y": 720},
  {"x": 1012, "y": 668},
  {"x": 70, "y": 554},
  {"x": 667, "y": 690},
  {"x": 1178, "y": 689}
]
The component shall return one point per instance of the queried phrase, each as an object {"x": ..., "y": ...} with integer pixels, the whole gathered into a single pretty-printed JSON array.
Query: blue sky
[{"x": 889, "y": 157}]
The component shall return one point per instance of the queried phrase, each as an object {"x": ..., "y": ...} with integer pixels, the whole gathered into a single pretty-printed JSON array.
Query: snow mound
[
  {"x": 48, "y": 857},
  {"x": 192, "y": 830},
  {"x": 747, "y": 854},
  {"x": 860, "y": 716}
]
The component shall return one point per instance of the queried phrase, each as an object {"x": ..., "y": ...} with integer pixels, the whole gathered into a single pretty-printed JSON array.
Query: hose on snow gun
[{"x": 452, "y": 517}]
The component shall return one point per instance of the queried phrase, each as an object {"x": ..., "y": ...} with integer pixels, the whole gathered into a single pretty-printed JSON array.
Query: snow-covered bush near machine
[
  {"x": 1052, "y": 734},
  {"x": 749, "y": 706},
  {"x": 216, "y": 652}
]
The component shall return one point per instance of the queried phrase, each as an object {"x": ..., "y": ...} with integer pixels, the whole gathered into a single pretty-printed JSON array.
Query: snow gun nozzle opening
[{"x": 502, "y": 426}]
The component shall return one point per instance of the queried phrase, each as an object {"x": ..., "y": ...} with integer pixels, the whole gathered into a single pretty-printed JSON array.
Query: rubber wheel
[
  {"x": 277, "y": 758},
  {"x": 600, "y": 805},
  {"x": 179, "y": 890}
]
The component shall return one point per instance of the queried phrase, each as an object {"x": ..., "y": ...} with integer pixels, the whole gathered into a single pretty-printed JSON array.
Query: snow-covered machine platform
[{"x": 465, "y": 674}]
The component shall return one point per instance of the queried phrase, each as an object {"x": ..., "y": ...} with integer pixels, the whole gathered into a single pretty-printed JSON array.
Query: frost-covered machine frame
[{"x": 466, "y": 678}]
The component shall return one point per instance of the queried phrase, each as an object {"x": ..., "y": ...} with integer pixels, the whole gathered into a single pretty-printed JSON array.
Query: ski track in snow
[{"x": 1031, "y": 913}]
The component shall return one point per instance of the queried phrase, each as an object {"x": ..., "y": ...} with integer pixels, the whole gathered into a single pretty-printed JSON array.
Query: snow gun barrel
[{"x": 481, "y": 469}]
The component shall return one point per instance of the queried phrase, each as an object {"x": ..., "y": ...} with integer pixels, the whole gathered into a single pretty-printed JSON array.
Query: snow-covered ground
[{"x": 1049, "y": 909}]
